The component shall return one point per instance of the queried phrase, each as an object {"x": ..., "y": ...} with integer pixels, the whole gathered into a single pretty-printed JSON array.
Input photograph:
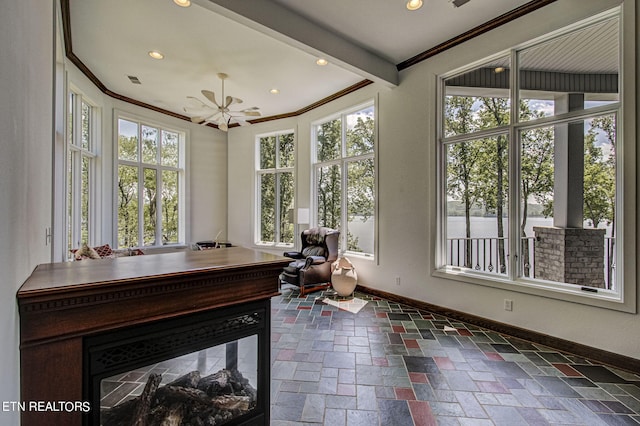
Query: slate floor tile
[{"x": 392, "y": 364}]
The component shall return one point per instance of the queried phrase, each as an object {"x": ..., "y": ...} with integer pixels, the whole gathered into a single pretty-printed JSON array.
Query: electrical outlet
[
  {"x": 397, "y": 281},
  {"x": 508, "y": 305}
]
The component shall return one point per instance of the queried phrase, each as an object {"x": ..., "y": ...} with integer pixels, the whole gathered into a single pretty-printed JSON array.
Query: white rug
[{"x": 352, "y": 305}]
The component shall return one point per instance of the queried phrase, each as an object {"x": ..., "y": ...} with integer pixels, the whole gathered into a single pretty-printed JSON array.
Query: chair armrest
[{"x": 293, "y": 254}]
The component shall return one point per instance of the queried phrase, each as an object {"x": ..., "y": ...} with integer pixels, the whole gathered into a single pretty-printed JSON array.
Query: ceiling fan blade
[
  {"x": 210, "y": 96},
  {"x": 223, "y": 126},
  {"x": 231, "y": 100},
  {"x": 197, "y": 103},
  {"x": 251, "y": 113}
]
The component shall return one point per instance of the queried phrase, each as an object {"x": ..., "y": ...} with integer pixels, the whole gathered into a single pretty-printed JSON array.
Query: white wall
[
  {"x": 26, "y": 166},
  {"x": 407, "y": 190},
  {"x": 26, "y": 139}
]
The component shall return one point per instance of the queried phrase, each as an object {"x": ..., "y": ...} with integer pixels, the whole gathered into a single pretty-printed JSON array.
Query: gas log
[{"x": 188, "y": 400}]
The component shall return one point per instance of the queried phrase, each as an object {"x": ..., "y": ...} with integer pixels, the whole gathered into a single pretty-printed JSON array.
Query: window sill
[
  {"x": 358, "y": 255},
  {"x": 605, "y": 299}
]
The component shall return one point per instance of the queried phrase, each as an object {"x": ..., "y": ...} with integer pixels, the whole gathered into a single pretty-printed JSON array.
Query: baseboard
[{"x": 622, "y": 362}]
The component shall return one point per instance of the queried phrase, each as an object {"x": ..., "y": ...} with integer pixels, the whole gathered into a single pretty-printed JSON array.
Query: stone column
[
  {"x": 570, "y": 255},
  {"x": 568, "y": 175}
]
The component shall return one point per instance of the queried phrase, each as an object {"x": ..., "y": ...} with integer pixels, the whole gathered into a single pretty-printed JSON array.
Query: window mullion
[
  {"x": 514, "y": 210},
  {"x": 140, "y": 170}
]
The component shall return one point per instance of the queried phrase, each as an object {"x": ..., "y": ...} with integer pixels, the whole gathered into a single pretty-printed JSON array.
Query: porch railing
[{"x": 491, "y": 254}]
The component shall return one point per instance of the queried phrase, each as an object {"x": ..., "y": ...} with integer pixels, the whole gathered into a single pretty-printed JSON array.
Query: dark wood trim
[
  {"x": 474, "y": 32},
  {"x": 359, "y": 85},
  {"x": 66, "y": 25},
  {"x": 63, "y": 303},
  {"x": 609, "y": 358},
  {"x": 494, "y": 23}
]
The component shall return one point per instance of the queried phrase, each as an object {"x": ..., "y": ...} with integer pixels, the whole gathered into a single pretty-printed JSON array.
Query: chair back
[{"x": 321, "y": 237}]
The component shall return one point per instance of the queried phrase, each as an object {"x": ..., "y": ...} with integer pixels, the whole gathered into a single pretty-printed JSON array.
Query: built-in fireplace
[
  {"x": 202, "y": 369},
  {"x": 164, "y": 339}
]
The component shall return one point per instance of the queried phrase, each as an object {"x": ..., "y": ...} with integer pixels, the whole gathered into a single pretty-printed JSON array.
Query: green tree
[
  {"x": 329, "y": 143},
  {"x": 494, "y": 112},
  {"x": 360, "y": 176},
  {"x": 462, "y": 161},
  {"x": 599, "y": 173}
]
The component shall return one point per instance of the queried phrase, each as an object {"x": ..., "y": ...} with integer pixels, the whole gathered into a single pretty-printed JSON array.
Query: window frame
[
  {"x": 75, "y": 154},
  {"x": 181, "y": 169},
  {"x": 622, "y": 299},
  {"x": 343, "y": 162},
  {"x": 276, "y": 171}
]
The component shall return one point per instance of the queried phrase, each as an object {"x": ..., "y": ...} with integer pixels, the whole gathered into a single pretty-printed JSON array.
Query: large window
[
  {"x": 276, "y": 189},
  {"x": 344, "y": 177},
  {"x": 81, "y": 157},
  {"x": 150, "y": 182},
  {"x": 530, "y": 164}
]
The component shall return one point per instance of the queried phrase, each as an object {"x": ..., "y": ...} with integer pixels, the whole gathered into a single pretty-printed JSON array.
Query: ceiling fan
[{"x": 219, "y": 113}]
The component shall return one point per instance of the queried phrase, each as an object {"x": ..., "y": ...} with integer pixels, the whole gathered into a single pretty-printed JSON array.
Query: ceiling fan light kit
[{"x": 219, "y": 114}]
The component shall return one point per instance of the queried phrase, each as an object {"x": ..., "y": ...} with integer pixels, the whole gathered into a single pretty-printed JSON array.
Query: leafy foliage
[
  {"x": 346, "y": 169},
  {"x": 148, "y": 185}
]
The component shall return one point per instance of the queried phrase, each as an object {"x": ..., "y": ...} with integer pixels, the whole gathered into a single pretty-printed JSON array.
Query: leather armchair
[{"x": 311, "y": 269}]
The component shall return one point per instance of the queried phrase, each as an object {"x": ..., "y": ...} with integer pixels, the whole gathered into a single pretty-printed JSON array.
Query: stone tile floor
[{"x": 390, "y": 364}]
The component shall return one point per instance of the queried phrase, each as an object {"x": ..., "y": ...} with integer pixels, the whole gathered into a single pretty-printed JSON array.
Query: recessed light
[
  {"x": 414, "y": 4},
  {"x": 182, "y": 3},
  {"x": 274, "y": 91},
  {"x": 156, "y": 55},
  {"x": 322, "y": 62}
]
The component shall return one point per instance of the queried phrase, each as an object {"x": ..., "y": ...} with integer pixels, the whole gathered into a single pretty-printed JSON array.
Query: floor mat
[{"x": 352, "y": 305}]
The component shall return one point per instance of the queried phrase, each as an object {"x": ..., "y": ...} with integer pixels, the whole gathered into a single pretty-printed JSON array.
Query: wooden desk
[{"x": 61, "y": 303}]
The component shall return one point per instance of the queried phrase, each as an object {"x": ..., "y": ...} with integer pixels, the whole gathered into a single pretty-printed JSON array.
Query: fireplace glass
[{"x": 211, "y": 386}]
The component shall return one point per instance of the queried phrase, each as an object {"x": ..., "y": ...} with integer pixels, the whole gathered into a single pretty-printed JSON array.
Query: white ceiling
[{"x": 260, "y": 44}]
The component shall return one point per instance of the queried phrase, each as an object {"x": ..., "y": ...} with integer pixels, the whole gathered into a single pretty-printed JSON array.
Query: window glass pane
[
  {"x": 170, "y": 153},
  {"x": 149, "y": 206},
  {"x": 477, "y": 220},
  {"x": 170, "y": 204},
  {"x": 584, "y": 62},
  {"x": 268, "y": 152},
  {"x": 127, "y": 206},
  {"x": 86, "y": 126},
  {"x": 329, "y": 140},
  {"x": 286, "y": 186},
  {"x": 70, "y": 114},
  {"x": 84, "y": 200},
  {"x": 329, "y": 199},
  {"x": 127, "y": 140},
  {"x": 149, "y": 144},
  {"x": 360, "y": 205},
  {"x": 569, "y": 195},
  {"x": 286, "y": 149},
  {"x": 477, "y": 99},
  {"x": 536, "y": 189},
  {"x": 267, "y": 207},
  {"x": 360, "y": 128}
]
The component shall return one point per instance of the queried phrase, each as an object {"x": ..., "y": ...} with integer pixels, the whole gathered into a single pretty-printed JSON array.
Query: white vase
[{"x": 344, "y": 277}]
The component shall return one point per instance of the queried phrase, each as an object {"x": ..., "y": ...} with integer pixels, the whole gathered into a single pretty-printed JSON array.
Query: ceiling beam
[{"x": 283, "y": 24}]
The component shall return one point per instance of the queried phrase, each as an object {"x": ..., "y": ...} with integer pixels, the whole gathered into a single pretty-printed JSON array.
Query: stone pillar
[
  {"x": 568, "y": 187},
  {"x": 569, "y": 255}
]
